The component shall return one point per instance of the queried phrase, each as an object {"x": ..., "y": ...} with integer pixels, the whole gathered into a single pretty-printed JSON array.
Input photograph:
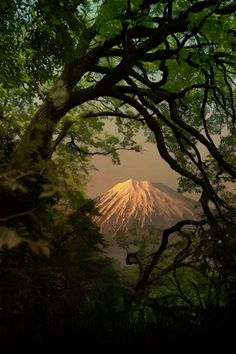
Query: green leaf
[
  {"x": 9, "y": 238},
  {"x": 40, "y": 247}
]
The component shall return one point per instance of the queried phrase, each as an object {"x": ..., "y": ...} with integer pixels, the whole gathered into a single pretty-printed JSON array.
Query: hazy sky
[{"x": 146, "y": 165}]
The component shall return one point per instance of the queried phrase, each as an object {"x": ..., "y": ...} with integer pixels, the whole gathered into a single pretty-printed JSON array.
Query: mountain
[{"x": 142, "y": 203}]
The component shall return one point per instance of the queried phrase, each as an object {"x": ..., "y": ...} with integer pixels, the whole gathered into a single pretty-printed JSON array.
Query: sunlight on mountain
[{"x": 142, "y": 203}]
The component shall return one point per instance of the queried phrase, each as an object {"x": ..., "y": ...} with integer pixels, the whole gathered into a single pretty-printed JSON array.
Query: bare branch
[
  {"x": 61, "y": 136},
  {"x": 165, "y": 238},
  {"x": 18, "y": 215},
  {"x": 112, "y": 114}
]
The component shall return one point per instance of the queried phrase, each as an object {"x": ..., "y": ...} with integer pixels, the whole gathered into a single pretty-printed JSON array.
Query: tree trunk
[
  {"x": 36, "y": 143},
  {"x": 22, "y": 182}
]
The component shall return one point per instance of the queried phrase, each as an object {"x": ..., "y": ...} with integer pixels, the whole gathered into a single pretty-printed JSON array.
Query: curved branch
[
  {"x": 211, "y": 148},
  {"x": 112, "y": 114},
  {"x": 60, "y": 136},
  {"x": 154, "y": 126},
  {"x": 165, "y": 238}
]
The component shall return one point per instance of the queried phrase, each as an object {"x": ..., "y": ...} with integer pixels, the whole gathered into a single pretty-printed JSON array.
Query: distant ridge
[{"x": 142, "y": 203}]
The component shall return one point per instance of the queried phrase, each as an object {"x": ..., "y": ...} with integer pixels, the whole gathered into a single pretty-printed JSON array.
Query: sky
[{"x": 146, "y": 165}]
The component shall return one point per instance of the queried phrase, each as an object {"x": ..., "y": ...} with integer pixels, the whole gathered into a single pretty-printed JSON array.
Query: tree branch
[
  {"x": 156, "y": 256},
  {"x": 83, "y": 152},
  {"x": 61, "y": 136}
]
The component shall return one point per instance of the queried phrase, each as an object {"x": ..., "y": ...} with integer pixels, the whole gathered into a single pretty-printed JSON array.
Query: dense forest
[{"x": 68, "y": 69}]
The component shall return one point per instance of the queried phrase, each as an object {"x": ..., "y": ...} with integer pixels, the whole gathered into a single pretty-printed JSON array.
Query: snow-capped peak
[{"x": 141, "y": 203}]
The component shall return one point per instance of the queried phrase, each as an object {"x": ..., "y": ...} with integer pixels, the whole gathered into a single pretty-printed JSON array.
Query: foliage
[{"x": 48, "y": 292}]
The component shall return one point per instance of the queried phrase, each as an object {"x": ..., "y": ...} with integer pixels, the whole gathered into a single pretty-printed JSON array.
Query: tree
[{"x": 167, "y": 67}]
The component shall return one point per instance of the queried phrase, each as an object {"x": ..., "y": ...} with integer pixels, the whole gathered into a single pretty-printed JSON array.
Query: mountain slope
[{"x": 142, "y": 203}]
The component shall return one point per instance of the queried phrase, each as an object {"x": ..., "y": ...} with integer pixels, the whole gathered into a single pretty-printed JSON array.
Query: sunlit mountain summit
[{"x": 142, "y": 203}]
